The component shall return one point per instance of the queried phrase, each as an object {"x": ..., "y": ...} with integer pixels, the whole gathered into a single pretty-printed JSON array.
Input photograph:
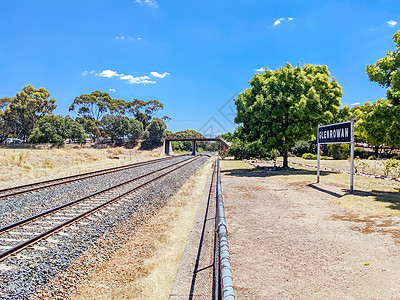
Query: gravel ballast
[{"x": 32, "y": 269}]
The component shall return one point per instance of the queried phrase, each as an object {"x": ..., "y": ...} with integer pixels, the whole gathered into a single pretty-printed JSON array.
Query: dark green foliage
[
  {"x": 301, "y": 147},
  {"x": 135, "y": 131},
  {"x": 56, "y": 129},
  {"x": 339, "y": 151},
  {"x": 155, "y": 131},
  {"x": 246, "y": 150},
  {"x": 360, "y": 152},
  {"x": 116, "y": 127}
]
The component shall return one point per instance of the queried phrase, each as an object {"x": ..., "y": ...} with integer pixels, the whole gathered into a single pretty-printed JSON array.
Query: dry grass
[
  {"x": 21, "y": 166},
  {"x": 145, "y": 267},
  {"x": 371, "y": 197}
]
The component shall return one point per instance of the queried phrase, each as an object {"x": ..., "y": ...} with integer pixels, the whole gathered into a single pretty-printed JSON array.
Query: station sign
[
  {"x": 335, "y": 133},
  {"x": 338, "y": 133}
]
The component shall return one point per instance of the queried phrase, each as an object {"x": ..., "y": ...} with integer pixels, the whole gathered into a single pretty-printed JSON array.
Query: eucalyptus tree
[{"x": 26, "y": 108}]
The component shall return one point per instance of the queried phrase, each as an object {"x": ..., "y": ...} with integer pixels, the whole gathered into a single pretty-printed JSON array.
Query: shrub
[
  {"x": 309, "y": 156},
  {"x": 372, "y": 157},
  {"x": 300, "y": 148},
  {"x": 339, "y": 151},
  {"x": 242, "y": 150},
  {"x": 389, "y": 166},
  {"x": 360, "y": 152}
]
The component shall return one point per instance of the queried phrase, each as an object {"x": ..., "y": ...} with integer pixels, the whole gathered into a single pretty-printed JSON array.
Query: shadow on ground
[
  {"x": 264, "y": 173},
  {"x": 392, "y": 198}
]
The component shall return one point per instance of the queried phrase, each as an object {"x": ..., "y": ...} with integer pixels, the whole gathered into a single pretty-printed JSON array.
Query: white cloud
[
  {"x": 84, "y": 73},
  {"x": 355, "y": 103},
  {"x": 156, "y": 74},
  {"x": 120, "y": 37},
  {"x": 128, "y": 78},
  {"x": 150, "y": 3},
  {"x": 109, "y": 74},
  {"x": 139, "y": 39},
  {"x": 137, "y": 80},
  {"x": 277, "y": 22},
  {"x": 391, "y": 23},
  {"x": 111, "y": 90},
  {"x": 260, "y": 70},
  {"x": 290, "y": 19}
]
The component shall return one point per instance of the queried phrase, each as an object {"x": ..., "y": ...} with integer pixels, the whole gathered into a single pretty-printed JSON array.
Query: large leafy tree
[
  {"x": 378, "y": 124},
  {"x": 155, "y": 131},
  {"x": 26, "y": 108},
  {"x": 286, "y": 105},
  {"x": 136, "y": 130},
  {"x": 56, "y": 129},
  {"x": 116, "y": 127},
  {"x": 386, "y": 72}
]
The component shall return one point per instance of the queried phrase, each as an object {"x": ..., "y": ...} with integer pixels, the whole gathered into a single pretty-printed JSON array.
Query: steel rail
[
  {"x": 42, "y": 214},
  {"x": 40, "y": 236},
  {"x": 73, "y": 178}
]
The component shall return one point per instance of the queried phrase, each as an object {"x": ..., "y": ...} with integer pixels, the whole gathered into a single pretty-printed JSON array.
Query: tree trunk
[
  {"x": 285, "y": 159},
  {"x": 376, "y": 151}
]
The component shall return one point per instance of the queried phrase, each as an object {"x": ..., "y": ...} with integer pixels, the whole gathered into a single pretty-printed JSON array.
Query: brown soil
[{"x": 288, "y": 240}]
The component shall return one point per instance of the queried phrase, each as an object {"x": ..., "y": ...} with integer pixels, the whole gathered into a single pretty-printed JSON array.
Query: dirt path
[{"x": 289, "y": 241}]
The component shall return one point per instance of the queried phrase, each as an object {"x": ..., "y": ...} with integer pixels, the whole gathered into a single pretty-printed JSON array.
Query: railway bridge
[{"x": 167, "y": 146}]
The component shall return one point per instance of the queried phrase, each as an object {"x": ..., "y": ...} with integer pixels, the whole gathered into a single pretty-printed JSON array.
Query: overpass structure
[{"x": 167, "y": 146}]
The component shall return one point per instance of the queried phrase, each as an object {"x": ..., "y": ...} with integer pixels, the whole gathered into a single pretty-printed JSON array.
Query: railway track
[
  {"x": 23, "y": 189},
  {"x": 19, "y": 235}
]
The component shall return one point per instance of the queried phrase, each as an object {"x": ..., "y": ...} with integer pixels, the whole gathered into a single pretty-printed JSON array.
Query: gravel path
[
  {"x": 300, "y": 246},
  {"x": 21, "y": 276}
]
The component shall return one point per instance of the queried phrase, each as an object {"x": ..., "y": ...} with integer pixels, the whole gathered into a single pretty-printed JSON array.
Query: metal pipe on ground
[{"x": 225, "y": 276}]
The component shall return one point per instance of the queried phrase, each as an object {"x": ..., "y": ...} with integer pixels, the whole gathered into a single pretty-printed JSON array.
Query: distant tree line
[{"x": 29, "y": 116}]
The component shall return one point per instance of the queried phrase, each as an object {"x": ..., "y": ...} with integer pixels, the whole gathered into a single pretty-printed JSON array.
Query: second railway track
[
  {"x": 26, "y": 188},
  {"x": 18, "y": 235}
]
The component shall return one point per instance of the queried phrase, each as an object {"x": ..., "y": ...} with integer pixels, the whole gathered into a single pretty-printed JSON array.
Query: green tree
[
  {"x": 286, "y": 105},
  {"x": 155, "y": 131},
  {"x": 378, "y": 124},
  {"x": 92, "y": 127},
  {"x": 116, "y": 127},
  {"x": 26, "y": 108},
  {"x": 5, "y": 124},
  {"x": 56, "y": 129},
  {"x": 386, "y": 72},
  {"x": 91, "y": 106},
  {"x": 136, "y": 130}
]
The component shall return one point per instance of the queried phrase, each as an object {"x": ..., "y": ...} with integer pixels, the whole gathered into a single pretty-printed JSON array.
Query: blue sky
[{"x": 193, "y": 56}]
